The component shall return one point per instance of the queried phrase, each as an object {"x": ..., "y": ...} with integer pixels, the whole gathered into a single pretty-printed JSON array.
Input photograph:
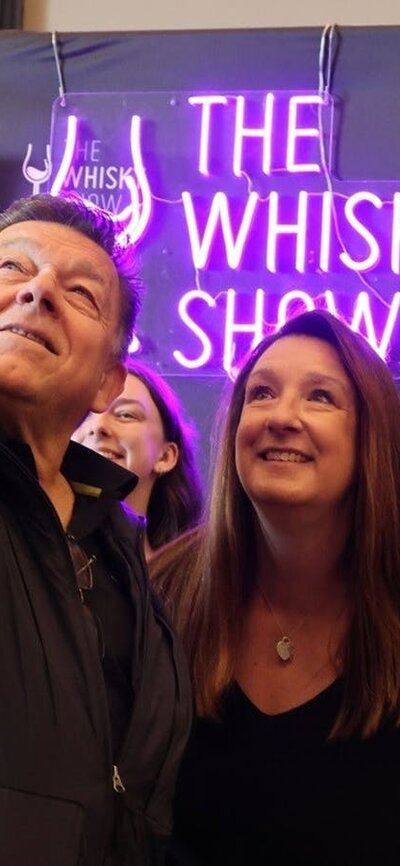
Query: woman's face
[
  {"x": 131, "y": 434},
  {"x": 296, "y": 438}
]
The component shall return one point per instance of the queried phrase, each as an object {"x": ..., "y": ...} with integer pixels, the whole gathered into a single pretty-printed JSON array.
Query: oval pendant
[{"x": 285, "y": 649}]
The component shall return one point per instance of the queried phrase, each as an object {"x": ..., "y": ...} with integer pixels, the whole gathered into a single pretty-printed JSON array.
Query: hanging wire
[
  {"x": 61, "y": 86},
  {"x": 325, "y": 69},
  {"x": 326, "y": 60}
]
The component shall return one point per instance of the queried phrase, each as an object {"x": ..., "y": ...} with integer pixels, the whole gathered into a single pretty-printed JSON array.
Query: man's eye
[
  {"x": 321, "y": 395},
  {"x": 10, "y": 264},
  {"x": 85, "y": 293}
]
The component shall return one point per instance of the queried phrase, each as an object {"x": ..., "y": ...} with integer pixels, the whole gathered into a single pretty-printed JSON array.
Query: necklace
[{"x": 284, "y": 646}]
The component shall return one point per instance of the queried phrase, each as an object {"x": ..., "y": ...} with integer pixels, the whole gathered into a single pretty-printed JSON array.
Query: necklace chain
[{"x": 284, "y": 646}]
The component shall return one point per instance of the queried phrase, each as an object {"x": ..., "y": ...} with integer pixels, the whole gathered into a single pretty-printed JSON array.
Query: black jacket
[{"x": 56, "y": 770}]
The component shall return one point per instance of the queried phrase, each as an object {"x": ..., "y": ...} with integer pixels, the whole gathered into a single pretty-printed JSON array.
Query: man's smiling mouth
[{"x": 32, "y": 335}]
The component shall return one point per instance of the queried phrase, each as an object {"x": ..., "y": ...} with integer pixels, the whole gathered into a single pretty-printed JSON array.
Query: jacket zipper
[
  {"x": 116, "y": 779},
  {"x": 118, "y": 784}
]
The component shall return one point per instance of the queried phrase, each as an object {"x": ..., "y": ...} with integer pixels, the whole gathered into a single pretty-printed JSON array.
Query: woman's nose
[
  {"x": 99, "y": 425},
  {"x": 284, "y": 414}
]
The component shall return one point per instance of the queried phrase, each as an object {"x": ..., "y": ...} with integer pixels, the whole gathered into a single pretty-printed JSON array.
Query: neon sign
[{"x": 238, "y": 224}]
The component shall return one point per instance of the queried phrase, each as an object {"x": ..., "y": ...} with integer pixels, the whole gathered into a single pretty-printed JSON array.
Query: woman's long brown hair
[{"x": 208, "y": 593}]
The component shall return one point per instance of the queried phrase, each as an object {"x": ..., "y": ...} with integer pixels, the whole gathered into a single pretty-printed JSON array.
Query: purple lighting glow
[
  {"x": 137, "y": 214},
  {"x": 195, "y": 363},
  {"x": 206, "y": 102},
  {"x": 298, "y": 229},
  {"x": 219, "y": 215},
  {"x": 141, "y": 201},
  {"x": 237, "y": 242},
  {"x": 66, "y": 162},
  {"x": 295, "y": 132},
  {"x": 239, "y": 222},
  {"x": 265, "y": 133},
  {"x": 374, "y": 252},
  {"x": 292, "y": 302}
]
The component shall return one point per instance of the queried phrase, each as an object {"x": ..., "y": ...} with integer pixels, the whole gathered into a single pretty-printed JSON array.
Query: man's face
[{"x": 59, "y": 305}]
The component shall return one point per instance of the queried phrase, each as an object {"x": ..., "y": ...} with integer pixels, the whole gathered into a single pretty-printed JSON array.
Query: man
[{"x": 94, "y": 696}]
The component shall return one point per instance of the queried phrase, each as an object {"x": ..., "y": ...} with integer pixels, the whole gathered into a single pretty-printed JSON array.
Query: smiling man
[{"x": 94, "y": 700}]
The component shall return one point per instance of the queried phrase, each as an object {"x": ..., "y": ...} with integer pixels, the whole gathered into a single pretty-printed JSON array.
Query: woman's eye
[
  {"x": 320, "y": 395},
  {"x": 126, "y": 416},
  {"x": 260, "y": 392}
]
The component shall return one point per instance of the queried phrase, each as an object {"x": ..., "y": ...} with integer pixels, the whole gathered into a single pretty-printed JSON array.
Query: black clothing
[
  {"x": 56, "y": 763},
  {"x": 260, "y": 790},
  {"x": 111, "y": 605}
]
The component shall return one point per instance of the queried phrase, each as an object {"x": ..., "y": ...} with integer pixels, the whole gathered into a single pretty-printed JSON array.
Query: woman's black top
[{"x": 260, "y": 790}]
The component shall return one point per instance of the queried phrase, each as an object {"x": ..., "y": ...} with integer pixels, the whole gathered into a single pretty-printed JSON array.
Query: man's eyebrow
[
  {"x": 87, "y": 271},
  {"x": 14, "y": 243},
  {"x": 23, "y": 243},
  {"x": 28, "y": 246}
]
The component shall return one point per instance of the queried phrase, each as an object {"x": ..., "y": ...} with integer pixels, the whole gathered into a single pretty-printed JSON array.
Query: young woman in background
[{"x": 145, "y": 431}]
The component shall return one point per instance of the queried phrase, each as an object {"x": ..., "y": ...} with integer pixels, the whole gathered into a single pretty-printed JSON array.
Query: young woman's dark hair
[{"x": 175, "y": 503}]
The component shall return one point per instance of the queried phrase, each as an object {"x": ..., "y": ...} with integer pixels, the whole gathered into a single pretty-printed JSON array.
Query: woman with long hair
[
  {"x": 290, "y": 614},
  {"x": 145, "y": 431}
]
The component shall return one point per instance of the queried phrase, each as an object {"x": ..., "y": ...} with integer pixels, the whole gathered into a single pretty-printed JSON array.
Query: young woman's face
[
  {"x": 131, "y": 434},
  {"x": 296, "y": 438}
]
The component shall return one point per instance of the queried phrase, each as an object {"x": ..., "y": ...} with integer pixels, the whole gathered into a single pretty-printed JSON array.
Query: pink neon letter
[
  {"x": 194, "y": 363},
  {"x": 325, "y": 249},
  {"x": 231, "y": 327},
  {"x": 140, "y": 192},
  {"x": 58, "y": 182},
  {"x": 395, "y": 260},
  {"x": 206, "y": 102},
  {"x": 362, "y": 311},
  {"x": 219, "y": 212},
  {"x": 330, "y": 301},
  {"x": 374, "y": 254},
  {"x": 294, "y": 132},
  {"x": 264, "y": 132},
  {"x": 298, "y": 229}
]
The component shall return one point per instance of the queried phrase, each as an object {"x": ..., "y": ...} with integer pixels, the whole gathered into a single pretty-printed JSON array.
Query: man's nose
[{"x": 40, "y": 292}]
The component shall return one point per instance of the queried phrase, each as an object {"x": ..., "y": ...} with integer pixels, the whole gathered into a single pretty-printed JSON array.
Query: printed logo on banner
[
  {"x": 230, "y": 202},
  {"x": 35, "y": 174},
  {"x": 110, "y": 176}
]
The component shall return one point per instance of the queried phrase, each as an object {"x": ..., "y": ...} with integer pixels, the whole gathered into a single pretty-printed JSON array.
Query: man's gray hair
[{"x": 99, "y": 226}]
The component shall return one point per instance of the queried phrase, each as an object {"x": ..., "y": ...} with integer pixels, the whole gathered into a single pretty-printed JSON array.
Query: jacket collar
[
  {"x": 93, "y": 475},
  {"x": 87, "y": 472}
]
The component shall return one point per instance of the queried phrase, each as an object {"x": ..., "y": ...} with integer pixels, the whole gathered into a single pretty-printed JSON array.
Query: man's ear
[
  {"x": 168, "y": 459},
  {"x": 111, "y": 385}
]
